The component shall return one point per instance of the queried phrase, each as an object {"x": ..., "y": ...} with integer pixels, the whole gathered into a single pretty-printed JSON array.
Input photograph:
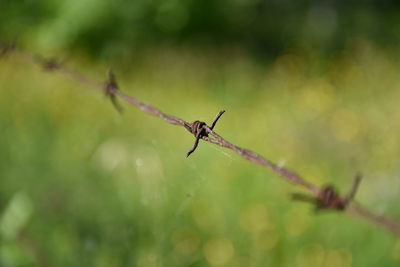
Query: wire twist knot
[
  {"x": 6, "y": 48},
  {"x": 199, "y": 130},
  {"x": 111, "y": 88},
  {"x": 329, "y": 199},
  {"x": 50, "y": 64}
]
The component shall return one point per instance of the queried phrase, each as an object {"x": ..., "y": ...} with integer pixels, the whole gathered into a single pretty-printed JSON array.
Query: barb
[
  {"x": 110, "y": 87},
  {"x": 329, "y": 199},
  {"x": 326, "y": 197},
  {"x": 216, "y": 119},
  {"x": 354, "y": 188},
  {"x": 199, "y": 130},
  {"x": 49, "y": 64}
]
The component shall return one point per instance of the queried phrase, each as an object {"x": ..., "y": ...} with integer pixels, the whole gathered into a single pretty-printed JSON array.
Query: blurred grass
[{"x": 82, "y": 186}]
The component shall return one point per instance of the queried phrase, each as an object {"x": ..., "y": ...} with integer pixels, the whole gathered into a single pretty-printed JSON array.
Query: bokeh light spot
[
  {"x": 110, "y": 154},
  {"x": 255, "y": 218},
  {"x": 296, "y": 222},
  {"x": 218, "y": 251},
  {"x": 148, "y": 259},
  {"x": 311, "y": 255},
  {"x": 334, "y": 258},
  {"x": 346, "y": 125},
  {"x": 396, "y": 250},
  {"x": 205, "y": 215},
  {"x": 265, "y": 240},
  {"x": 317, "y": 96}
]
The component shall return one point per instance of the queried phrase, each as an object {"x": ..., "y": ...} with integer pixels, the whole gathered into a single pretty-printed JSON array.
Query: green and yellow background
[{"x": 311, "y": 85}]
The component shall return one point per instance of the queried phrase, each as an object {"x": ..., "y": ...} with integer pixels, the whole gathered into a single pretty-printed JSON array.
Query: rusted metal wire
[
  {"x": 198, "y": 129},
  {"x": 111, "y": 86},
  {"x": 323, "y": 198},
  {"x": 329, "y": 198}
]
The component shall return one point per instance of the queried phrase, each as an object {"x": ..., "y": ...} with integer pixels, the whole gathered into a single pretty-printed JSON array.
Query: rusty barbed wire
[
  {"x": 111, "y": 85},
  {"x": 198, "y": 129},
  {"x": 329, "y": 199},
  {"x": 325, "y": 198}
]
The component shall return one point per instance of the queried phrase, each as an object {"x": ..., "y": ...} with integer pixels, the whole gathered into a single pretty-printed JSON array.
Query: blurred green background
[{"x": 312, "y": 85}]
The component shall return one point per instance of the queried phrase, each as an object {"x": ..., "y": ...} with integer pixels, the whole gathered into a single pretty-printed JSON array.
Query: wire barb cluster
[
  {"x": 51, "y": 64},
  {"x": 6, "y": 48},
  {"x": 110, "y": 89},
  {"x": 325, "y": 198},
  {"x": 199, "y": 130},
  {"x": 329, "y": 199}
]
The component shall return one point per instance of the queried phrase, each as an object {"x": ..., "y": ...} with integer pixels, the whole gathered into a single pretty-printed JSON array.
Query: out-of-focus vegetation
[
  {"x": 81, "y": 185},
  {"x": 263, "y": 26}
]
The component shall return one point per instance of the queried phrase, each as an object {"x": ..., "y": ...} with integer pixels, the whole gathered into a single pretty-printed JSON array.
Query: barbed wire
[{"x": 324, "y": 198}]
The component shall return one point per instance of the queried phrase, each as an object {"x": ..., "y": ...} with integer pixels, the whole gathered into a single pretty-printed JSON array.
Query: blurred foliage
[
  {"x": 81, "y": 185},
  {"x": 264, "y": 26}
]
